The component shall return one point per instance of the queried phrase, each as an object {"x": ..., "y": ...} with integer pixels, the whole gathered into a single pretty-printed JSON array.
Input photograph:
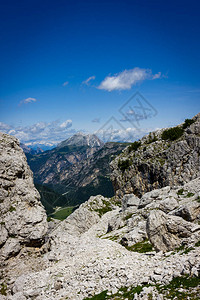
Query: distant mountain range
[
  {"x": 74, "y": 170},
  {"x": 30, "y": 150}
]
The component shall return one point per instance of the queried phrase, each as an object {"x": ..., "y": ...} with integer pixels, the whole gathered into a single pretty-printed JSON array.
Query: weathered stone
[
  {"x": 158, "y": 163},
  {"x": 190, "y": 211},
  {"x": 165, "y": 232},
  {"x": 130, "y": 200},
  {"x": 22, "y": 216}
]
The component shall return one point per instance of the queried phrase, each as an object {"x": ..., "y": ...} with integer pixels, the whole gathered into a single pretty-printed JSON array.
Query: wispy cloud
[
  {"x": 27, "y": 100},
  {"x": 87, "y": 81},
  {"x": 65, "y": 83},
  {"x": 157, "y": 76},
  {"x": 126, "y": 79},
  {"x": 96, "y": 120},
  {"x": 4, "y": 127}
]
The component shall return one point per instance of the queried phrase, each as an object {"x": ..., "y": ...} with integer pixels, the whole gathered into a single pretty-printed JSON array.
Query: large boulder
[
  {"x": 22, "y": 217},
  {"x": 166, "y": 232}
]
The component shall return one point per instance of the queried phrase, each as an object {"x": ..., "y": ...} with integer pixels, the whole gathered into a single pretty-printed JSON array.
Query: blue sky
[{"x": 68, "y": 66}]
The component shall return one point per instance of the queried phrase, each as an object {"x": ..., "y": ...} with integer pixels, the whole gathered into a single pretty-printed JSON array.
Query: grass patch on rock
[
  {"x": 180, "y": 192},
  {"x": 180, "y": 288},
  {"x": 107, "y": 206},
  {"x": 141, "y": 247},
  {"x": 189, "y": 194},
  {"x": 63, "y": 213},
  {"x": 3, "y": 289}
]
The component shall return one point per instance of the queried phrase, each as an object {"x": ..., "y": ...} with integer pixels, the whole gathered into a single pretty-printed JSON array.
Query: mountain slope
[
  {"x": 80, "y": 139},
  {"x": 46, "y": 166},
  {"x": 165, "y": 157},
  {"x": 73, "y": 171}
]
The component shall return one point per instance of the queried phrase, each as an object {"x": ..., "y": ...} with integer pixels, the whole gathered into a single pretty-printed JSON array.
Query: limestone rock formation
[
  {"x": 159, "y": 160},
  {"x": 22, "y": 217},
  {"x": 165, "y": 232}
]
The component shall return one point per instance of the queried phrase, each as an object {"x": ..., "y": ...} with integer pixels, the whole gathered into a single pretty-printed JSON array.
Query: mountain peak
[{"x": 81, "y": 139}]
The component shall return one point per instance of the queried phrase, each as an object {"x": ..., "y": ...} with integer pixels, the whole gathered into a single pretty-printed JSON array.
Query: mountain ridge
[{"x": 77, "y": 168}]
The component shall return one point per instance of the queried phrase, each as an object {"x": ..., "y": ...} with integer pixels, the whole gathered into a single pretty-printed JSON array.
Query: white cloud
[
  {"x": 27, "y": 100},
  {"x": 65, "y": 83},
  {"x": 122, "y": 135},
  {"x": 41, "y": 132},
  {"x": 126, "y": 79},
  {"x": 66, "y": 124},
  {"x": 87, "y": 81}
]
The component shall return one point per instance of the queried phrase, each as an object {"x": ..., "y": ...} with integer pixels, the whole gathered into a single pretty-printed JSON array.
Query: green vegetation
[
  {"x": 134, "y": 146},
  {"x": 63, "y": 213},
  {"x": 100, "y": 296},
  {"x": 107, "y": 207},
  {"x": 187, "y": 123},
  {"x": 189, "y": 195},
  {"x": 197, "y": 244},
  {"x": 69, "y": 192},
  {"x": 170, "y": 291},
  {"x": 161, "y": 161},
  {"x": 172, "y": 134},
  {"x": 180, "y": 192},
  {"x": 123, "y": 293},
  {"x": 128, "y": 216},
  {"x": 198, "y": 199},
  {"x": 3, "y": 289},
  {"x": 12, "y": 208},
  {"x": 183, "y": 250},
  {"x": 111, "y": 238},
  {"x": 141, "y": 247},
  {"x": 187, "y": 250},
  {"x": 151, "y": 138},
  {"x": 175, "y": 133},
  {"x": 50, "y": 198},
  {"x": 124, "y": 164}
]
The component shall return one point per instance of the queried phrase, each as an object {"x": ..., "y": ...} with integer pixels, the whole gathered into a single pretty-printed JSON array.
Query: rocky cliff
[
  {"x": 22, "y": 217},
  {"x": 162, "y": 158}
]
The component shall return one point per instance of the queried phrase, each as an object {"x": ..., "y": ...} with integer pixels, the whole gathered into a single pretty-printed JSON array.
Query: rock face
[
  {"x": 158, "y": 161},
  {"x": 165, "y": 232},
  {"x": 22, "y": 217}
]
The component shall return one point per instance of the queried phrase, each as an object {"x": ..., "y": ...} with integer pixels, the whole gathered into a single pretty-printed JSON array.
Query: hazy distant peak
[{"x": 81, "y": 139}]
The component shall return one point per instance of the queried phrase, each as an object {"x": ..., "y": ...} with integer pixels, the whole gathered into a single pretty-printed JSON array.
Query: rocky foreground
[{"x": 145, "y": 247}]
